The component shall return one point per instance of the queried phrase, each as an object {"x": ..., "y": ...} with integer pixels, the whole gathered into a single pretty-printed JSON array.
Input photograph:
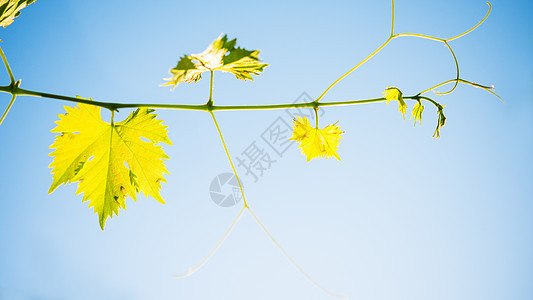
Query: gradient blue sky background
[{"x": 402, "y": 216}]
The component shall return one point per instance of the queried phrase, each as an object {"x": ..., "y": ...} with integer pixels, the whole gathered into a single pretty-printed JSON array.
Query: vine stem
[
  {"x": 4, "y": 59},
  {"x": 204, "y": 107},
  {"x": 316, "y": 116},
  {"x": 211, "y": 88}
]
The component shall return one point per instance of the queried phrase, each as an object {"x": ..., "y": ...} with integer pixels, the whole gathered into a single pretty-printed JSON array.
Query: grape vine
[{"x": 88, "y": 147}]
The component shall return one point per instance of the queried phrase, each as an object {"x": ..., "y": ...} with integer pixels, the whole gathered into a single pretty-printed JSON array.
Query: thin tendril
[
  {"x": 392, "y": 36},
  {"x": 472, "y": 29},
  {"x": 292, "y": 260},
  {"x": 445, "y": 41},
  {"x": 353, "y": 69},
  {"x": 8, "y": 108},
  {"x": 218, "y": 244},
  {"x": 486, "y": 88},
  {"x": 229, "y": 158},
  {"x": 418, "y": 35},
  {"x": 439, "y": 40},
  {"x": 392, "y": 23},
  {"x": 457, "y": 71}
]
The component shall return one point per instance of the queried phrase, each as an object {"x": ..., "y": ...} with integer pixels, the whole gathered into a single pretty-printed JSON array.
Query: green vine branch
[
  {"x": 146, "y": 175},
  {"x": 114, "y": 106}
]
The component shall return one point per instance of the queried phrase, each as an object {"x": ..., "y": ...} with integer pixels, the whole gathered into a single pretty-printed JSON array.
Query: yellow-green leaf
[
  {"x": 110, "y": 161},
  {"x": 10, "y": 9},
  {"x": 316, "y": 142},
  {"x": 392, "y": 93},
  {"x": 418, "y": 109},
  {"x": 221, "y": 55}
]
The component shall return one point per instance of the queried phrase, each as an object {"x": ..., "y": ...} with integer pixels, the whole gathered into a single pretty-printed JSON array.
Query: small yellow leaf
[
  {"x": 418, "y": 109},
  {"x": 392, "y": 93},
  {"x": 316, "y": 142}
]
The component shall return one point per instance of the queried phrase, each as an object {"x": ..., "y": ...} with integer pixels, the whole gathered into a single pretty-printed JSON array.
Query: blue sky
[{"x": 401, "y": 216}]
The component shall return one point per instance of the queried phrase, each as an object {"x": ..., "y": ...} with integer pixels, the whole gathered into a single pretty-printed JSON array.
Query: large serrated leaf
[{"x": 110, "y": 161}]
